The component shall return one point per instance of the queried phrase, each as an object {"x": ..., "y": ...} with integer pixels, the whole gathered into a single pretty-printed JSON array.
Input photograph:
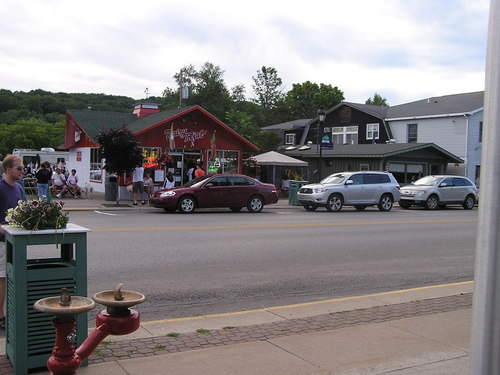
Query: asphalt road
[{"x": 213, "y": 262}]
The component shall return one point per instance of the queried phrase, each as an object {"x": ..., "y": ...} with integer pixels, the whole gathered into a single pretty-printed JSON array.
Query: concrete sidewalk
[{"x": 424, "y": 330}]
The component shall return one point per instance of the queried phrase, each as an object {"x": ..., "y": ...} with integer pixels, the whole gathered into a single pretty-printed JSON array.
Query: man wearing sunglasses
[{"x": 10, "y": 193}]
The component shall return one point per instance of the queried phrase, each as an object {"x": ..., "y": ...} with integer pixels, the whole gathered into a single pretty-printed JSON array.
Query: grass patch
[
  {"x": 202, "y": 331},
  {"x": 105, "y": 342},
  {"x": 99, "y": 353},
  {"x": 159, "y": 347},
  {"x": 228, "y": 327},
  {"x": 173, "y": 334}
]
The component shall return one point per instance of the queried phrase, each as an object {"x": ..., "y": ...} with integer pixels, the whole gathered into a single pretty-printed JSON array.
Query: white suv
[
  {"x": 358, "y": 189},
  {"x": 438, "y": 191}
]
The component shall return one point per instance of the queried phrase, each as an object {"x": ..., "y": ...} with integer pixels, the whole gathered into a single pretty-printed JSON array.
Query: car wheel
[
  {"x": 170, "y": 210},
  {"x": 255, "y": 204},
  {"x": 235, "y": 209},
  {"x": 310, "y": 207},
  {"x": 385, "y": 203},
  {"x": 359, "y": 208},
  {"x": 431, "y": 203},
  {"x": 469, "y": 202},
  {"x": 404, "y": 206},
  {"x": 186, "y": 205},
  {"x": 334, "y": 203}
]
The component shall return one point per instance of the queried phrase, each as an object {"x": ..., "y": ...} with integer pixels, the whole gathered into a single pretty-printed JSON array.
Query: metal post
[
  {"x": 319, "y": 139},
  {"x": 485, "y": 339},
  {"x": 180, "y": 90},
  {"x": 320, "y": 170}
]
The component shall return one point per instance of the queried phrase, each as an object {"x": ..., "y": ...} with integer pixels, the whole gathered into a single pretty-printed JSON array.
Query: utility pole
[
  {"x": 180, "y": 90},
  {"x": 485, "y": 338}
]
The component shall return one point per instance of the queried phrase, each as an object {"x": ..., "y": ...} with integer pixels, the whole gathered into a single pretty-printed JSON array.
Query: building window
[
  {"x": 224, "y": 162},
  {"x": 372, "y": 131},
  {"x": 345, "y": 135},
  {"x": 290, "y": 139},
  {"x": 406, "y": 173},
  {"x": 480, "y": 131},
  {"x": 150, "y": 156},
  {"x": 364, "y": 167},
  {"x": 95, "y": 164},
  {"x": 345, "y": 115},
  {"x": 412, "y": 133}
]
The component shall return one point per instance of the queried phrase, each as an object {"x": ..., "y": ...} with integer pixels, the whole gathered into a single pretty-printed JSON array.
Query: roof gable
[
  {"x": 373, "y": 110},
  {"x": 94, "y": 122}
]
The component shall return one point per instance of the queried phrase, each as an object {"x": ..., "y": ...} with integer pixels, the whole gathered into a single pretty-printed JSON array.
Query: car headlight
[
  {"x": 320, "y": 190},
  {"x": 167, "y": 194},
  {"x": 420, "y": 193}
]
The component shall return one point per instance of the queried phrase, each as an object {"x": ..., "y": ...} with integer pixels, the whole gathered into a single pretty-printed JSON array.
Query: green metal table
[{"x": 29, "y": 334}]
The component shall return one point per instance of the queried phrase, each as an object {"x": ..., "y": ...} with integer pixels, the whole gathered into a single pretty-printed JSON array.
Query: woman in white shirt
[{"x": 169, "y": 181}]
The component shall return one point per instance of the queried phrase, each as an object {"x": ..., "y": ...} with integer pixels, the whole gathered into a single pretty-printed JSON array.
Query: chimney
[{"x": 144, "y": 109}]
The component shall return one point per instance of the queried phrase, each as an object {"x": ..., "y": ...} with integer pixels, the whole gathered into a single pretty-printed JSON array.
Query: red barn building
[{"x": 172, "y": 140}]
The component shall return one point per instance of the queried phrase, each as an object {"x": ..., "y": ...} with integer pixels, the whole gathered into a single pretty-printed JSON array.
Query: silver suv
[
  {"x": 358, "y": 189},
  {"x": 438, "y": 191}
]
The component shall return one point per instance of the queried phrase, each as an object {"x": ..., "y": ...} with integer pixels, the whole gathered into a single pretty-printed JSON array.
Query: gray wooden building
[{"x": 406, "y": 161}]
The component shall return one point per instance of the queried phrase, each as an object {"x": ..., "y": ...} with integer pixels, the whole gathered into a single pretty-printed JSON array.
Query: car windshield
[
  {"x": 428, "y": 181},
  {"x": 337, "y": 178},
  {"x": 197, "y": 182}
]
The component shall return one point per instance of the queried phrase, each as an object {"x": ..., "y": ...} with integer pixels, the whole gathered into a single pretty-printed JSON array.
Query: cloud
[{"x": 402, "y": 49}]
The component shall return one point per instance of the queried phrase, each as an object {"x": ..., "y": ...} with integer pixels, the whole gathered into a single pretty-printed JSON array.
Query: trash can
[
  {"x": 110, "y": 188},
  {"x": 29, "y": 334},
  {"x": 293, "y": 190}
]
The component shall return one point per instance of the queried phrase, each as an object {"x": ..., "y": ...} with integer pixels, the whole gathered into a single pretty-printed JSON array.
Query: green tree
[
  {"x": 121, "y": 150},
  {"x": 238, "y": 93},
  {"x": 210, "y": 91},
  {"x": 33, "y": 134},
  {"x": 243, "y": 124},
  {"x": 304, "y": 99},
  {"x": 267, "y": 88},
  {"x": 7, "y": 100},
  {"x": 206, "y": 89},
  {"x": 377, "y": 100}
]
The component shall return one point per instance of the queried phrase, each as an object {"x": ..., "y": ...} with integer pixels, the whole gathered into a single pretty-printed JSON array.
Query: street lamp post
[{"x": 319, "y": 139}]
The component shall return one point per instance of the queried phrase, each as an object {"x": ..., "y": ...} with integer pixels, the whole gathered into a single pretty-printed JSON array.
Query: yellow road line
[
  {"x": 305, "y": 304},
  {"x": 300, "y": 225}
]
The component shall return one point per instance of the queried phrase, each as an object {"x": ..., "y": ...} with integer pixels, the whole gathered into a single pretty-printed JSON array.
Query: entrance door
[
  {"x": 177, "y": 167},
  {"x": 435, "y": 169}
]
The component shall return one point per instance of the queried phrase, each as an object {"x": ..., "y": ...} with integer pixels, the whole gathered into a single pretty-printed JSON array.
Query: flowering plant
[
  {"x": 250, "y": 162},
  {"x": 38, "y": 214},
  {"x": 165, "y": 159}
]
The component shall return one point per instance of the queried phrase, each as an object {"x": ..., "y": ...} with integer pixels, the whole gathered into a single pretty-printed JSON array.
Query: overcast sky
[{"x": 403, "y": 49}]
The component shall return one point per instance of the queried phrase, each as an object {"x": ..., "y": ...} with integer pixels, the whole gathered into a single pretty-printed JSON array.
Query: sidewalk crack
[{"x": 302, "y": 358}]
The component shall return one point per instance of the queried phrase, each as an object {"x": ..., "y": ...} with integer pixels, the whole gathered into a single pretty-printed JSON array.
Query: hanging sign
[{"x": 326, "y": 142}]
